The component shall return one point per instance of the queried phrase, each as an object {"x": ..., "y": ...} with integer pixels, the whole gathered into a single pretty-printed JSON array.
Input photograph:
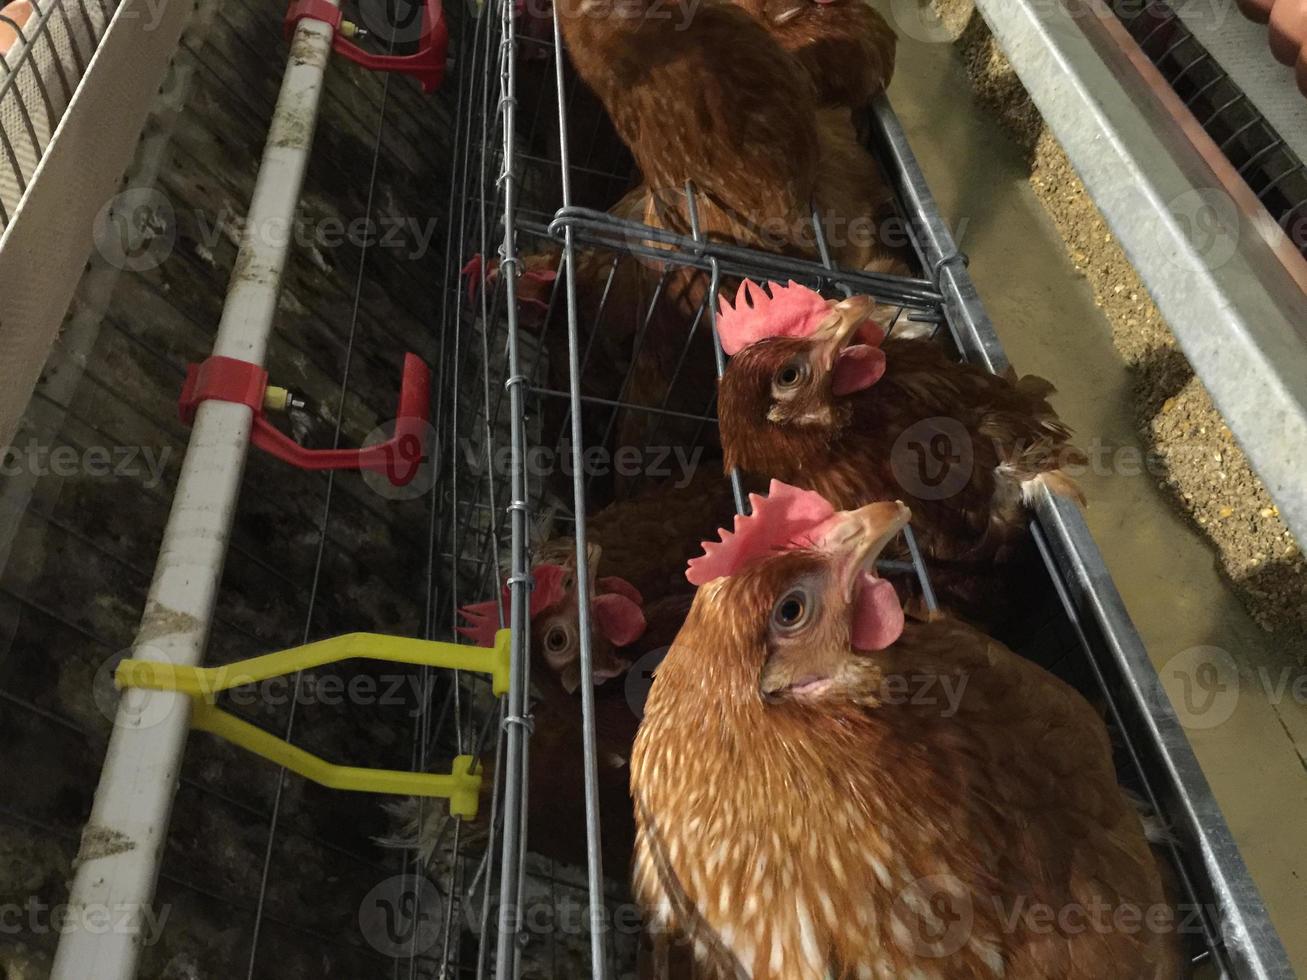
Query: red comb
[
  {"x": 472, "y": 272},
  {"x": 535, "y": 287},
  {"x": 769, "y": 311},
  {"x": 483, "y": 617},
  {"x": 786, "y": 516},
  {"x": 618, "y": 617}
]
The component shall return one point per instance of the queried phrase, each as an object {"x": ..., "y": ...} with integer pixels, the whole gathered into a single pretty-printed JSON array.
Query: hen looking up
[
  {"x": 825, "y": 789},
  {"x": 816, "y": 396},
  {"x": 625, "y": 628}
]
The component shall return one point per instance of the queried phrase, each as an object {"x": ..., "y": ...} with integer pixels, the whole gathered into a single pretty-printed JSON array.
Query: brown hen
[
  {"x": 825, "y": 789},
  {"x": 716, "y": 101},
  {"x": 814, "y": 395}
]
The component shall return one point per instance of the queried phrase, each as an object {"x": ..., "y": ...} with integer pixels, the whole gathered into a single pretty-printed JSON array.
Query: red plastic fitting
[
  {"x": 398, "y": 458},
  {"x": 427, "y": 64}
]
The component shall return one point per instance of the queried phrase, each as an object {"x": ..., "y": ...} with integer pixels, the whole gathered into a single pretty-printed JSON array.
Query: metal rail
[{"x": 516, "y": 722}]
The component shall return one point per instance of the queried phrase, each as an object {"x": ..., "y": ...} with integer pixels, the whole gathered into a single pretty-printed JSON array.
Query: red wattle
[
  {"x": 612, "y": 583},
  {"x": 618, "y": 618},
  {"x": 877, "y": 613},
  {"x": 857, "y": 367}
]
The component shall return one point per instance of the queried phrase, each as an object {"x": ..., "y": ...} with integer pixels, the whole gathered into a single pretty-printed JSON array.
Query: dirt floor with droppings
[{"x": 1203, "y": 469}]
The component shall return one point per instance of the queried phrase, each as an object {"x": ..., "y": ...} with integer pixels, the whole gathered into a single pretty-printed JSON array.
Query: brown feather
[
  {"x": 714, "y": 100},
  {"x": 846, "y": 46}
]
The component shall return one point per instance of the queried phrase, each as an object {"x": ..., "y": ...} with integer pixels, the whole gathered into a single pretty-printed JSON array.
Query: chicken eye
[
  {"x": 792, "y": 611},
  {"x": 556, "y": 640},
  {"x": 791, "y": 375}
]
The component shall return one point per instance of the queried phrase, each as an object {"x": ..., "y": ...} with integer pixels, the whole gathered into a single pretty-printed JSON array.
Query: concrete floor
[{"x": 1047, "y": 320}]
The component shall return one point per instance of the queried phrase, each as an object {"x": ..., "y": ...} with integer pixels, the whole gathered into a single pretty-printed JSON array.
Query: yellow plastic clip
[{"x": 462, "y": 787}]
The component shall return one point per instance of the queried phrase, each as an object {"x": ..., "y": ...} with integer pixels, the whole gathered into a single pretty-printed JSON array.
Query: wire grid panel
[
  {"x": 45, "y": 46},
  {"x": 478, "y": 509},
  {"x": 548, "y": 164},
  {"x": 534, "y": 153}
]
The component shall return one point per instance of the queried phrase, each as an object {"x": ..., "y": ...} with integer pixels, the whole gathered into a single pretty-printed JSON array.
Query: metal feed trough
[{"x": 514, "y": 163}]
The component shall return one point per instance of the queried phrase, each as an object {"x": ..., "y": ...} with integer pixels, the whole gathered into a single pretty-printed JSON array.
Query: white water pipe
[{"x": 109, "y": 915}]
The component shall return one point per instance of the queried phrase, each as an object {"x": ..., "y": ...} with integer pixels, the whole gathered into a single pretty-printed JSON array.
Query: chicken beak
[
  {"x": 841, "y": 326},
  {"x": 859, "y": 536}
]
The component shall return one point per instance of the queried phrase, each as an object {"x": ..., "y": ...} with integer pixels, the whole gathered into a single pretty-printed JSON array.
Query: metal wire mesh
[
  {"x": 546, "y": 387},
  {"x": 1271, "y": 169},
  {"x": 507, "y": 384},
  {"x": 45, "y": 46},
  {"x": 530, "y": 168}
]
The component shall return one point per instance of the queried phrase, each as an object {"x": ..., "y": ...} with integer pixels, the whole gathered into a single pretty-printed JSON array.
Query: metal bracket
[
  {"x": 427, "y": 64},
  {"x": 398, "y": 458},
  {"x": 460, "y": 786}
]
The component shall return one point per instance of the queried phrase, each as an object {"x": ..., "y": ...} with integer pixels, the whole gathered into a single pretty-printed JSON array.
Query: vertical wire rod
[
  {"x": 719, "y": 355},
  {"x": 590, "y": 754},
  {"x": 133, "y": 803},
  {"x": 426, "y": 732},
  {"x": 516, "y": 732},
  {"x": 927, "y": 591},
  {"x": 823, "y": 249}
]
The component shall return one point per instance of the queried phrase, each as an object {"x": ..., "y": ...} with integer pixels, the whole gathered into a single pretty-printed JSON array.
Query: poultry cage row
[
  {"x": 532, "y": 163},
  {"x": 539, "y": 145},
  {"x": 531, "y": 154}
]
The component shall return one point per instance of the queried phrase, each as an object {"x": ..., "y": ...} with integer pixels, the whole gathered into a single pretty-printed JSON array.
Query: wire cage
[
  {"x": 528, "y": 375},
  {"x": 1263, "y": 159},
  {"x": 45, "y": 47},
  {"x": 527, "y": 382}
]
